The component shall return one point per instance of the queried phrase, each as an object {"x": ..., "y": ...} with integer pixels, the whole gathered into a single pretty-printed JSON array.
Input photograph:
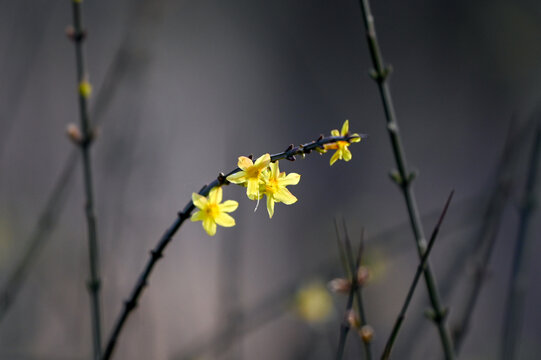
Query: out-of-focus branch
[
  {"x": 84, "y": 140},
  {"x": 515, "y": 299},
  {"x": 402, "y": 176},
  {"x": 402, "y": 315}
]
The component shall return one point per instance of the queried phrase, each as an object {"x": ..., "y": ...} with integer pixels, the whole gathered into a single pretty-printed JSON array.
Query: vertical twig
[
  {"x": 479, "y": 255},
  {"x": 357, "y": 287},
  {"x": 515, "y": 297},
  {"x": 402, "y": 315},
  {"x": 122, "y": 63},
  {"x": 403, "y": 177},
  {"x": 86, "y": 137},
  {"x": 351, "y": 266}
]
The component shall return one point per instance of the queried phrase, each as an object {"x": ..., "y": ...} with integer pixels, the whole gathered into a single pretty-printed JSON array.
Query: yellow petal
[
  {"x": 274, "y": 169},
  {"x": 335, "y": 133},
  {"x": 244, "y": 162},
  {"x": 210, "y": 226},
  {"x": 347, "y": 154},
  {"x": 283, "y": 195},
  {"x": 263, "y": 161},
  {"x": 199, "y": 200},
  {"x": 225, "y": 220},
  {"x": 357, "y": 138},
  {"x": 228, "y": 206},
  {"x": 270, "y": 206},
  {"x": 215, "y": 195},
  {"x": 336, "y": 156},
  {"x": 237, "y": 178},
  {"x": 198, "y": 216},
  {"x": 290, "y": 179},
  {"x": 345, "y": 128},
  {"x": 253, "y": 188}
]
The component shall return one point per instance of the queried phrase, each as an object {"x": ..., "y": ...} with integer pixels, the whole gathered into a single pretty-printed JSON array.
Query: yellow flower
[
  {"x": 314, "y": 303},
  {"x": 250, "y": 174},
  {"x": 275, "y": 187},
  {"x": 341, "y": 146},
  {"x": 211, "y": 212}
]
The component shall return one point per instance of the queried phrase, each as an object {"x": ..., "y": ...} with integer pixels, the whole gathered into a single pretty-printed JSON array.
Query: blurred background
[{"x": 181, "y": 89}]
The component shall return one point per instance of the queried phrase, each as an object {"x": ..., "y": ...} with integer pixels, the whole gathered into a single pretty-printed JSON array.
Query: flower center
[
  {"x": 272, "y": 186},
  {"x": 212, "y": 210},
  {"x": 253, "y": 172}
]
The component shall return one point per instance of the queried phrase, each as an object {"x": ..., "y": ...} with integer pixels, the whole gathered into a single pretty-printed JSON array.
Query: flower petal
[
  {"x": 290, "y": 179},
  {"x": 345, "y": 128},
  {"x": 199, "y": 200},
  {"x": 335, "y": 132},
  {"x": 283, "y": 195},
  {"x": 336, "y": 156},
  {"x": 253, "y": 188},
  {"x": 210, "y": 226},
  {"x": 357, "y": 138},
  {"x": 270, "y": 206},
  {"x": 274, "y": 169},
  {"x": 225, "y": 220},
  {"x": 198, "y": 216},
  {"x": 228, "y": 206},
  {"x": 237, "y": 178},
  {"x": 263, "y": 161},
  {"x": 244, "y": 162},
  {"x": 347, "y": 154},
  {"x": 215, "y": 195}
]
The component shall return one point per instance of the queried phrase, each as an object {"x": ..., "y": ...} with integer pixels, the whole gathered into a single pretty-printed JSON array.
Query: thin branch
[
  {"x": 84, "y": 143},
  {"x": 403, "y": 177},
  {"x": 48, "y": 218},
  {"x": 346, "y": 252},
  {"x": 274, "y": 305},
  {"x": 157, "y": 252},
  {"x": 357, "y": 287},
  {"x": 479, "y": 256},
  {"x": 515, "y": 298},
  {"x": 402, "y": 315}
]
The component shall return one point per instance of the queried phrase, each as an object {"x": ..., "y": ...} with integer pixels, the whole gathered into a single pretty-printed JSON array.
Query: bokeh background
[{"x": 181, "y": 89}]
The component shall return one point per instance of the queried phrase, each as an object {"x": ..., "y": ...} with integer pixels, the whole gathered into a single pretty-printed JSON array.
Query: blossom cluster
[{"x": 262, "y": 178}]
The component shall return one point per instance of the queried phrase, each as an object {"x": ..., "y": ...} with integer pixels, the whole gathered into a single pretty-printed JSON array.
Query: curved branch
[{"x": 157, "y": 252}]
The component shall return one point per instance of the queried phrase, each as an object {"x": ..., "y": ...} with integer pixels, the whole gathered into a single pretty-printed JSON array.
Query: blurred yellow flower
[
  {"x": 274, "y": 187},
  {"x": 250, "y": 174},
  {"x": 313, "y": 303},
  {"x": 341, "y": 146},
  {"x": 212, "y": 211}
]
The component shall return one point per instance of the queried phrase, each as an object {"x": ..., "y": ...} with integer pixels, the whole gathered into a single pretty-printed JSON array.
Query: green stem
[
  {"x": 413, "y": 286},
  {"x": 515, "y": 299},
  {"x": 404, "y": 178},
  {"x": 157, "y": 252},
  {"x": 86, "y": 141}
]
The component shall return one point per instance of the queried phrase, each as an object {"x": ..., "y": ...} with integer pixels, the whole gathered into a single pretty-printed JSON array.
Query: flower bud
[
  {"x": 366, "y": 333},
  {"x": 363, "y": 274},
  {"x": 74, "y": 134},
  {"x": 339, "y": 285},
  {"x": 353, "y": 320}
]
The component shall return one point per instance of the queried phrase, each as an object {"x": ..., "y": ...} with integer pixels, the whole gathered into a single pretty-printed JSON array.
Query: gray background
[{"x": 191, "y": 85}]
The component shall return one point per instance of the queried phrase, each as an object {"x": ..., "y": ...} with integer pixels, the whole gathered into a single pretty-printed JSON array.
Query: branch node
[
  {"x": 156, "y": 255},
  {"x": 74, "y": 134},
  {"x": 396, "y": 177},
  {"x": 130, "y": 304},
  {"x": 73, "y": 35},
  {"x": 93, "y": 285},
  {"x": 222, "y": 179}
]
